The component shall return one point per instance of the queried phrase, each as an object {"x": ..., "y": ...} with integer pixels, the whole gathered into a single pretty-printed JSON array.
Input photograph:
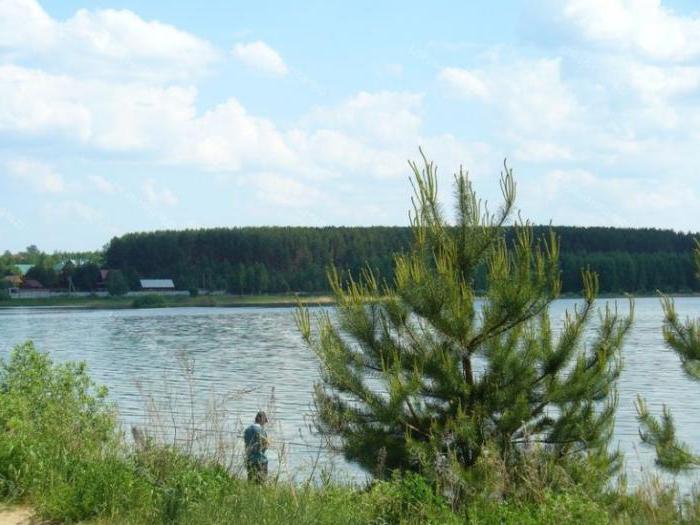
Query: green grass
[
  {"x": 109, "y": 303},
  {"x": 62, "y": 453},
  {"x": 231, "y": 301}
]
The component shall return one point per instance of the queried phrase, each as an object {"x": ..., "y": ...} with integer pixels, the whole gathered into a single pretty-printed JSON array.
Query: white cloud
[
  {"x": 613, "y": 113},
  {"x": 102, "y": 185},
  {"x": 158, "y": 196},
  {"x": 103, "y": 80},
  {"x": 541, "y": 151},
  {"x": 115, "y": 43},
  {"x": 337, "y": 153},
  {"x": 587, "y": 198},
  {"x": 72, "y": 210},
  {"x": 371, "y": 133},
  {"x": 531, "y": 93},
  {"x": 285, "y": 191},
  {"x": 260, "y": 56},
  {"x": 134, "y": 117},
  {"x": 102, "y": 114},
  {"x": 39, "y": 176},
  {"x": 464, "y": 83},
  {"x": 226, "y": 138},
  {"x": 386, "y": 116},
  {"x": 35, "y": 102},
  {"x": 640, "y": 26}
]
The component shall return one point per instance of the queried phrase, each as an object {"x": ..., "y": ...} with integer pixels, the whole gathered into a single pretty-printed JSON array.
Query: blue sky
[{"x": 120, "y": 116}]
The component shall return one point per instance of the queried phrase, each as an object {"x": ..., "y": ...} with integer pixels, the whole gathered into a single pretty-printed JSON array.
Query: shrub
[
  {"x": 410, "y": 497},
  {"x": 116, "y": 283},
  {"x": 555, "y": 509},
  {"x": 4, "y": 290},
  {"x": 149, "y": 301},
  {"x": 55, "y": 422}
]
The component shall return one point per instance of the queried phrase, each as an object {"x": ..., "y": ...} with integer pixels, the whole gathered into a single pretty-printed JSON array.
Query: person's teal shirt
[{"x": 255, "y": 439}]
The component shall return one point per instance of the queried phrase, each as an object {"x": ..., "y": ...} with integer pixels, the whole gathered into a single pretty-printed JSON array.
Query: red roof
[{"x": 32, "y": 283}]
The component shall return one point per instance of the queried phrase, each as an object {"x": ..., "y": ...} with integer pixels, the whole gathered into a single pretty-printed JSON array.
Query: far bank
[{"x": 165, "y": 301}]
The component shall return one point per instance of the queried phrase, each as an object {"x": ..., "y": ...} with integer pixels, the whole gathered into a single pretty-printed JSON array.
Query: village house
[
  {"x": 24, "y": 268},
  {"x": 32, "y": 284},
  {"x": 157, "y": 285},
  {"x": 13, "y": 281}
]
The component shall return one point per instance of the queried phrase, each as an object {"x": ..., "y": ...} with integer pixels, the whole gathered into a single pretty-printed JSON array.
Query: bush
[
  {"x": 149, "y": 301},
  {"x": 410, "y": 497},
  {"x": 555, "y": 509},
  {"x": 116, "y": 283},
  {"x": 4, "y": 290},
  {"x": 55, "y": 421}
]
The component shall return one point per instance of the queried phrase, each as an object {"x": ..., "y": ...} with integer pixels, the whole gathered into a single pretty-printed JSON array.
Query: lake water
[{"x": 183, "y": 360}]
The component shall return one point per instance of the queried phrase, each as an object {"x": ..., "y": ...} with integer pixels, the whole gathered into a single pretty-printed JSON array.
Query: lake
[{"x": 204, "y": 372}]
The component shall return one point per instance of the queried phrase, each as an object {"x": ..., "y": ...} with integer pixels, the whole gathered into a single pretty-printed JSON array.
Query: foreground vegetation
[
  {"x": 62, "y": 453},
  {"x": 684, "y": 339},
  {"x": 461, "y": 376}
]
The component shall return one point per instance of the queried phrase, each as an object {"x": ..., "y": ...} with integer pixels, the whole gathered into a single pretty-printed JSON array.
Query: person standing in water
[{"x": 255, "y": 438}]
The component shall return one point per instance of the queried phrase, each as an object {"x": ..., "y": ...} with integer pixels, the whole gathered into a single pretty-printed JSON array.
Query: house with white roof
[{"x": 157, "y": 285}]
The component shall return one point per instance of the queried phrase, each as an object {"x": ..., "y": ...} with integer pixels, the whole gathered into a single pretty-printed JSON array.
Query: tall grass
[{"x": 62, "y": 452}]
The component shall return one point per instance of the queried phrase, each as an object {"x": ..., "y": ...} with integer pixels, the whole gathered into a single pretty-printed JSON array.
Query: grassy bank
[
  {"x": 224, "y": 301},
  {"x": 62, "y": 453},
  {"x": 112, "y": 303}
]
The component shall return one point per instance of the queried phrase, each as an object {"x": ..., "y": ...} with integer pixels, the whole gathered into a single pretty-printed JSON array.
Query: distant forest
[{"x": 295, "y": 259}]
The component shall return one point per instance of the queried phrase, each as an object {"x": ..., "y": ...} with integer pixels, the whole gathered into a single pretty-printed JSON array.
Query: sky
[{"x": 120, "y": 116}]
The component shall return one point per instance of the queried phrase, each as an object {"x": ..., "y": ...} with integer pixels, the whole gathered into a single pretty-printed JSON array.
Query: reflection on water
[{"x": 256, "y": 356}]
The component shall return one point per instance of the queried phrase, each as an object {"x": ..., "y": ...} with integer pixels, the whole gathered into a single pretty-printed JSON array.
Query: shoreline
[
  {"x": 202, "y": 301},
  {"x": 235, "y": 301}
]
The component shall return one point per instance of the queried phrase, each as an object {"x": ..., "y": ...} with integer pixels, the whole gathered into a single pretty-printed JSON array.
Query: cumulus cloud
[
  {"x": 135, "y": 117},
  {"x": 107, "y": 115},
  {"x": 72, "y": 210},
  {"x": 613, "y": 100},
  {"x": 261, "y": 57},
  {"x": 102, "y": 185},
  {"x": 369, "y": 134},
  {"x": 285, "y": 191},
  {"x": 605, "y": 199},
  {"x": 104, "y": 42},
  {"x": 384, "y": 116},
  {"x": 37, "y": 175},
  {"x": 641, "y": 26},
  {"x": 158, "y": 195},
  {"x": 464, "y": 83},
  {"x": 608, "y": 102},
  {"x": 531, "y": 93},
  {"x": 227, "y": 137}
]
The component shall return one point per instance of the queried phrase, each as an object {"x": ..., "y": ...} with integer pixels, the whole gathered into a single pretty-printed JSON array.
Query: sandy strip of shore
[{"x": 16, "y": 516}]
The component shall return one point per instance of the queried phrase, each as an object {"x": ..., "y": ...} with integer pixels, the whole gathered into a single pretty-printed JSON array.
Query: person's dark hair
[{"x": 261, "y": 418}]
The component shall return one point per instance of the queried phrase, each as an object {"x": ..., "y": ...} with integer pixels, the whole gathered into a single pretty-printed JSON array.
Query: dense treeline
[{"x": 284, "y": 259}]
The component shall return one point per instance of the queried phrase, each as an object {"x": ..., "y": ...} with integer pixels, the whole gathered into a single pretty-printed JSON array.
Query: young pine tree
[
  {"x": 684, "y": 340},
  {"x": 423, "y": 372}
]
